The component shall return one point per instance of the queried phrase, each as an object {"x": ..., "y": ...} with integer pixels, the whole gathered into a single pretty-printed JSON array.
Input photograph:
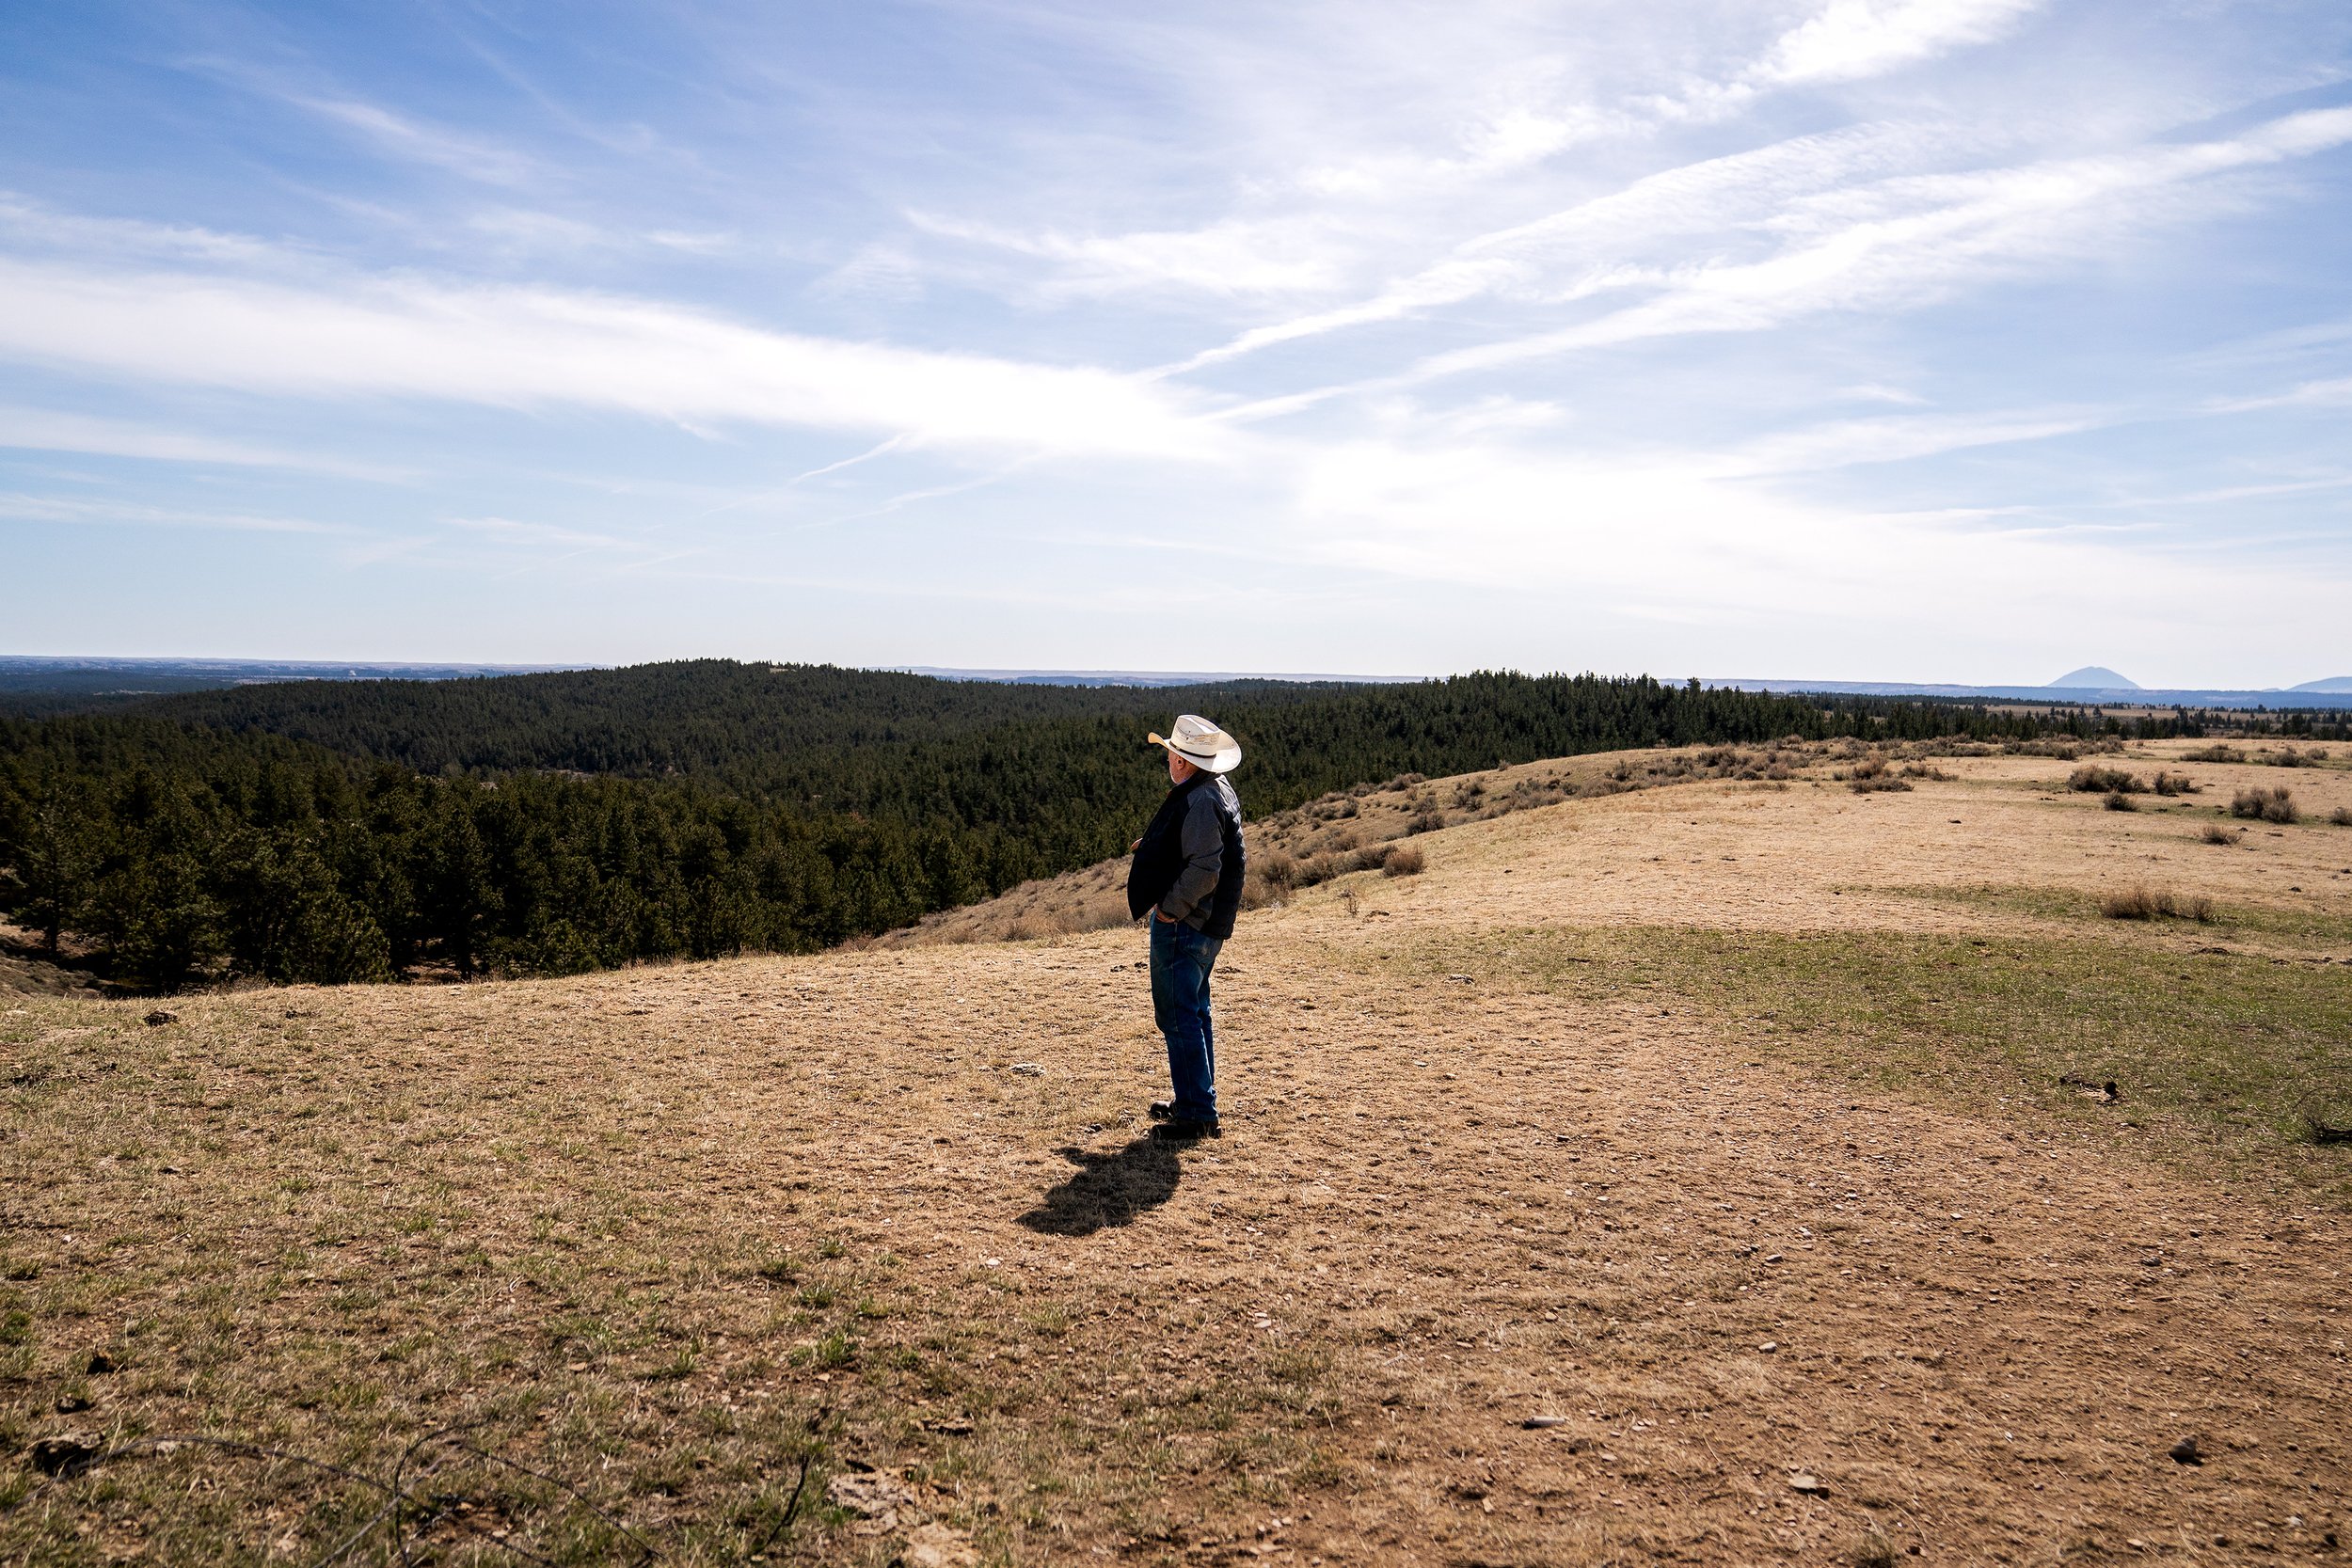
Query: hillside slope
[{"x": 1692, "y": 1172}]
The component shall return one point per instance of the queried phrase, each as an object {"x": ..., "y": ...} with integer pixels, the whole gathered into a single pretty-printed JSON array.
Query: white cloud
[
  {"x": 1236, "y": 256},
  {"x": 1854, "y": 38},
  {"x": 538, "y": 347},
  {"x": 713, "y": 242},
  {"x": 1665, "y": 538},
  {"x": 32, "y": 225}
]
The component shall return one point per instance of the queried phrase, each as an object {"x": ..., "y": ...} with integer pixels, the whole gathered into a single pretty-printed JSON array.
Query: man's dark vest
[{"x": 1160, "y": 858}]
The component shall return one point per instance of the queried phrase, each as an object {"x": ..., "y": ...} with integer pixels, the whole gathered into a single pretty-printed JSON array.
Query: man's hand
[{"x": 1163, "y": 914}]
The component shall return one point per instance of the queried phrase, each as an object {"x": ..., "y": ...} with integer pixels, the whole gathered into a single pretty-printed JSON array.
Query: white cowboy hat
[{"x": 1201, "y": 744}]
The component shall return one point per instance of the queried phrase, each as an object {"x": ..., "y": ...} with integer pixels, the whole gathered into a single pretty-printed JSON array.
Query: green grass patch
[
  {"x": 2217, "y": 1055},
  {"x": 2304, "y": 930}
]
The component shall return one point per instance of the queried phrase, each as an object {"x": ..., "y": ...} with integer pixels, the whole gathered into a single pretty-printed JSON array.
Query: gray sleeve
[{"x": 1202, "y": 840}]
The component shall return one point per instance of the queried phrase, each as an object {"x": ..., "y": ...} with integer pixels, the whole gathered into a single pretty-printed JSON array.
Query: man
[{"x": 1186, "y": 877}]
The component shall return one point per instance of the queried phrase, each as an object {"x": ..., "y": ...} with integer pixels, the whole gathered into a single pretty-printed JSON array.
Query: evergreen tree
[{"x": 54, "y": 851}]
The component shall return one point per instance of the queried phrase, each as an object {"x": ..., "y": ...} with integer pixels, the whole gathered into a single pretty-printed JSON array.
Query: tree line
[{"x": 449, "y": 827}]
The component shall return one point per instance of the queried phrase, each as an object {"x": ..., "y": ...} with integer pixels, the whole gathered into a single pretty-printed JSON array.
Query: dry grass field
[{"x": 1725, "y": 1171}]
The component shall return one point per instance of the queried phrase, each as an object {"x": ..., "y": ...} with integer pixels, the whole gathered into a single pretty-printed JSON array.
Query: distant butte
[{"x": 2093, "y": 678}]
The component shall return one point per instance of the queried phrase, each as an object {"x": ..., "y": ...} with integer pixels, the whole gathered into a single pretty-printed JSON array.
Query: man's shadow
[{"x": 1108, "y": 1189}]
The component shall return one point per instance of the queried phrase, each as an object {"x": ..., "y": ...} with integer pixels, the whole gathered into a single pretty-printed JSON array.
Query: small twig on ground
[
  {"x": 399, "y": 1467},
  {"x": 350, "y": 1543},
  {"x": 643, "y": 1544},
  {"x": 790, "y": 1509}
]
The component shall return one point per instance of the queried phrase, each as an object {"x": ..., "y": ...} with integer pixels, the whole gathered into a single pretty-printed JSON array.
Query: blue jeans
[{"x": 1180, "y": 961}]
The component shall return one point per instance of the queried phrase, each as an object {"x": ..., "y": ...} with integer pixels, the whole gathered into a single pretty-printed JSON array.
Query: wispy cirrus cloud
[
  {"x": 1845, "y": 443},
  {"x": 2335, "y": 392},
  {"x": 1240, "y": 256},
  {"x": 1905, "y": 241},
  {"x": 50, "y": 430},
  {"x": 415, "y": 141},
  {"x": 27, "y": 507},
  {"x": 29, "y": 224},
  {"x": 1327, "y": 219},
  {"x": 1624, "y": 238},
  {"x": 522, "y": 532}
]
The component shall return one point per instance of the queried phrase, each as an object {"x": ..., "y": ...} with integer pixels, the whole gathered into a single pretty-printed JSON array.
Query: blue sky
[{"x": 1928, "y": 339}]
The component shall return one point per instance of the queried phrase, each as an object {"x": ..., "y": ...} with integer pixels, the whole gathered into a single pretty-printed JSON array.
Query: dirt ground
[{"x": 1479, "y": 1273}]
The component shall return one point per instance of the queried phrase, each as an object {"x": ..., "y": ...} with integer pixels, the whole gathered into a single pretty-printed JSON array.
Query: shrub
[
  {"x": 1405, "y": 861},
  {"x": 2264, "y": 805},
  {"x": 2341, "y": 816},
  {"x": 1925, "y": 770},
  {"x": 1426, "y": 820},
  {"x": 2120, "y": 802},
  {"x": 1318, "y": 869},
  {"x": 2216, "y": 752},
  {"x": 1272, "y": 876},
  {"x": 1877, "y": 782},
  {"x": 2173, "y": 783},
  {"x": 2289, "y": 757},
  {"x": 2216, "y": 833},
  {"x": 2139, "y": 904},
  {"x": 1876, "y": 1549},
  {"x": 2326, "y": 1119},
  {"x": 2092, "y": 778}
]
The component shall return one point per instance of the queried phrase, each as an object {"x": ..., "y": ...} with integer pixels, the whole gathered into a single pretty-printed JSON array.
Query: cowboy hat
[{"x": 1201, "y": 744}]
